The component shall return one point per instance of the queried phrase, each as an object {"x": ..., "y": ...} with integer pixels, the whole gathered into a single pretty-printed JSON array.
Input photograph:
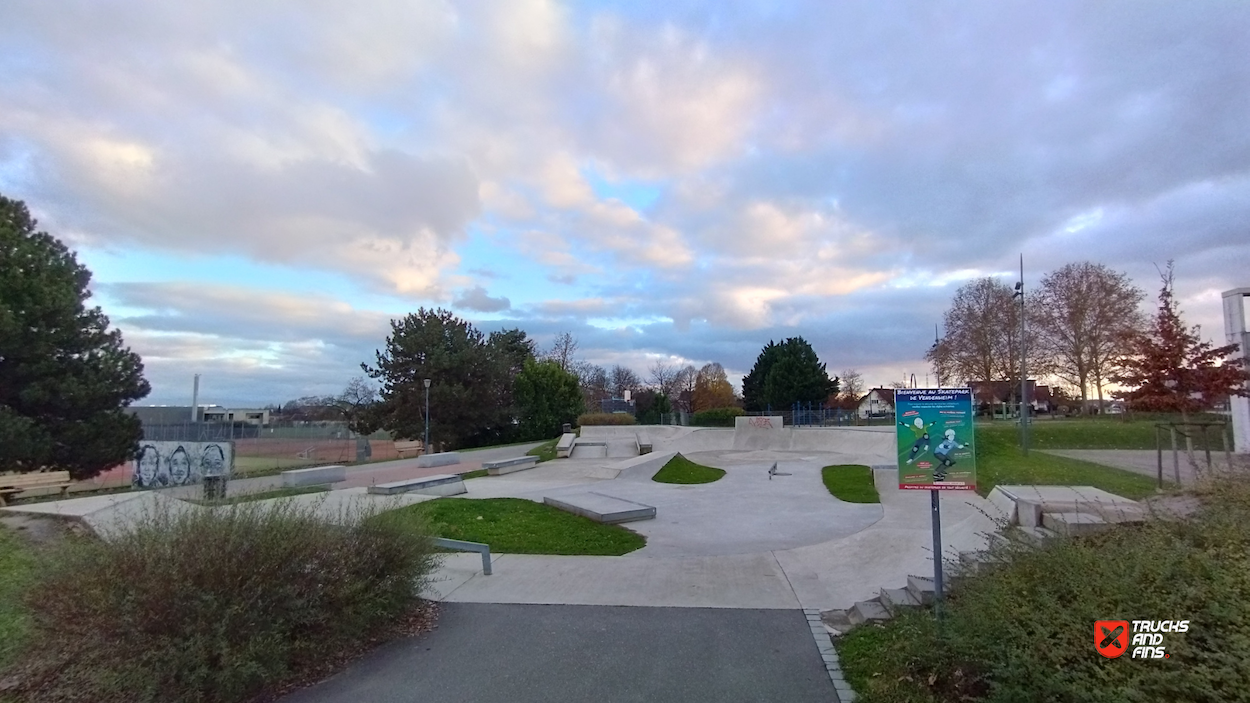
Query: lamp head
[{"x": 427, "y": 383}]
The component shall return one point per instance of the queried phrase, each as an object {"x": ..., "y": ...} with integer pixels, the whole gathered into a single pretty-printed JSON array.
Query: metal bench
[{"x": 20, "y": 483}]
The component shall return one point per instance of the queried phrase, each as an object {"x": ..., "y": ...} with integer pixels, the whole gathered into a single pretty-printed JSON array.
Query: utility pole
[{"x": 1024, "y": 375}]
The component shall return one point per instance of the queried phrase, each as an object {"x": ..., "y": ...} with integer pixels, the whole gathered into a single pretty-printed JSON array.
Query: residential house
[{"x": 876, "y": 403}]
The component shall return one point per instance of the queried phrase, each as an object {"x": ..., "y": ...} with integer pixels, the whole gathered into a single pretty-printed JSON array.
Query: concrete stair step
[
  {"x": 837, "y": 622},
  {"x": 921, "y": 588},
  {"x": 867, "y": 611},
  {"x": 1036, "y": 535},
  {"x": 1074, "y": 524},
  {"x": 898, "y": 599}
]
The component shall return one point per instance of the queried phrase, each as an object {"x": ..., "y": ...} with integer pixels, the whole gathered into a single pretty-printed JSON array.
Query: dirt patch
[{"x": 42, "y": 531}]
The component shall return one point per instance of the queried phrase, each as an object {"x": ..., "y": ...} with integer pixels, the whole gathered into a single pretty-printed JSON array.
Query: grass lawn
[
  {"x": 1084, "y": 433},
  {"x": 16, "y": 566},
  {"x": 474, "y": 474},
  {"x": 679, "y": 469},
  {"x": 1000, "y": 461},
  {"x": 518, "y": 526},
  {"x": 264, "y": 495},
  {"x": 850, "y": 482},
  {"x": 545, "y": 451}
]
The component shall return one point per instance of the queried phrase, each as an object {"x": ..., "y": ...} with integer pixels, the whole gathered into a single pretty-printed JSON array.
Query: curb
[{"x": 824, "y": 643}]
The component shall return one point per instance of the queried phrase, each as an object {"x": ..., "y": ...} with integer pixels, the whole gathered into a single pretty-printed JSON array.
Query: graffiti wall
[{"x": 164, "y": 464}]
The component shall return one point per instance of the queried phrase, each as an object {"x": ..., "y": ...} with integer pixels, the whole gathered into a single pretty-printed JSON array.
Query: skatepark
[{"x": 754, "y": 539}]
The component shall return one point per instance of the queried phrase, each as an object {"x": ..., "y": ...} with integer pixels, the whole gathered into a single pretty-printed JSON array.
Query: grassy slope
[
  {"x": 517, "y": 526},
  {"x": 679, "y": 469},
  {"x": 1000, "y": 461},
  {"x": 545, "y": 451},
  {"x": 851, "y": 483}
]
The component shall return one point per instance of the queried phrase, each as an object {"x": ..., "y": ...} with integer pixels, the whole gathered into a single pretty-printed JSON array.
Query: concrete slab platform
[
  {"x": 314, "y": 476},
  {"x": 601, "y": 508},
  {"x": 508, "y": 466},
  {"x": 438, "y": 485},
  {"x": 440, "y": 459}
]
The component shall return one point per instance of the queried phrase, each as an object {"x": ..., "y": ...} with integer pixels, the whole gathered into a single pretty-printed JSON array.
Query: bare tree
[
  {"x": 852, "y": 384},
  {"x": 665, "y": 378},
  {"x": 595, "y": 385},
  {"x": 622, "y": 379},
  {"x": 684, "y": 387},
  {"x": 354, "y": 403},
  {"x": 563, "y": 351},
  {"x": 1083, "y": 313},
  {"x": 982, "y": 340}
]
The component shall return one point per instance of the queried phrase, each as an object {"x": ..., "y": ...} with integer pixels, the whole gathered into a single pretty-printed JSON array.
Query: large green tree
[
  {"x": 65, "y": 377},
  {"x": 546, "y": 397},
  {"x": 787, "y": 373},
  {"x": 471, "y": 379}
]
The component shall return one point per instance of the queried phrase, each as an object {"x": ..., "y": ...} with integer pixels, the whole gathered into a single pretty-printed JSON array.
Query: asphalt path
[{"x": 485, "y": 652}]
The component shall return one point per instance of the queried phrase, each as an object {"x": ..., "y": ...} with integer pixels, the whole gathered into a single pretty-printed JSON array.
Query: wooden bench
[
  {"x": 507, "y": 466},
  {"x": 19, "y": 483},
  {"x": 408, "y": 445}
]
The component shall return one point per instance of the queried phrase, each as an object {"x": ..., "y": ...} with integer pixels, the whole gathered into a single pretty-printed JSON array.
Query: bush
[
  {"x": 1021, "y": 630},
  {"x": 605, "y": 419},
  {"x": 716, "y": 417},
  {"x": 215, "y": 605}
]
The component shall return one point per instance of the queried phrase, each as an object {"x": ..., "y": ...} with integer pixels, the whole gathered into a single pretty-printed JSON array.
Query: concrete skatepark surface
[
  {"x": 741, "y": 542},
  {"x": 490, "y": 653}
]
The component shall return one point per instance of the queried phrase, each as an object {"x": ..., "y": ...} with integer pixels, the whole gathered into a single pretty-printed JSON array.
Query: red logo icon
[{"x": 1111, "y": 637}]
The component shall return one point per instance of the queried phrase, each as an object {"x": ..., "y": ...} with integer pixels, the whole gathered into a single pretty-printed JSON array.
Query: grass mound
[
  {"x": 852, "y": 483},
  {"x": 518, "y": 526},
  {"x": 214, "y": 605},
  {"x": 1021, "y": 630},
  {"x": 679, "y": 469}
]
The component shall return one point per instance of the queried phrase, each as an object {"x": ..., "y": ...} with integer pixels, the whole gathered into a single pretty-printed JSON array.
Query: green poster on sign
[{"x": 936, "y": 450}]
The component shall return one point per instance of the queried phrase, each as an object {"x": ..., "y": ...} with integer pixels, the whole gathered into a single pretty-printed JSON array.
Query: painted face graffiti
[
  {"x": 148, "y": 465},
  {"x": 213, "y": 462},
  {"x": 179, "y": 467}
]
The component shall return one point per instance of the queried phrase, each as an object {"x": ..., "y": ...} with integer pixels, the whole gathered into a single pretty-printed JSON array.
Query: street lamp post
[
  {"x": 427, "y": 416},
  {"x": 1024, "y": 376}
]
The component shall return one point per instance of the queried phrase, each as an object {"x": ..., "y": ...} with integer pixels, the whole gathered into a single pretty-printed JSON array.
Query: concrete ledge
[
  {"x": 438, "y": 485},
  {"x": 507, "y": 466},
  {"x": 565, "y": 445},
  {"x": 315, "y": 476},
  {"x": 602, "y": 508},
  {"x": 441, "y": 459}
]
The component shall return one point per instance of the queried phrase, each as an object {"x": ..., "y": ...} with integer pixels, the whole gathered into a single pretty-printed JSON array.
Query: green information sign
[{"x": 935, "y": 442}]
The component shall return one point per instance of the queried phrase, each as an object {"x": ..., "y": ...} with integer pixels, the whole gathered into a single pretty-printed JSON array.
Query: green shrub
[
  {"x": 605, "y": 419},
  {"x": 215, "y": 605},
  {"x": 1022, "y": 630},
  {"x": 716, "y": 417},
  {"x": 679, "y": 469}
]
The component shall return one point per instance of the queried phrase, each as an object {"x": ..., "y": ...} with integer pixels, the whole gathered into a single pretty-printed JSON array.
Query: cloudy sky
[{"x": 259, "y": 187}]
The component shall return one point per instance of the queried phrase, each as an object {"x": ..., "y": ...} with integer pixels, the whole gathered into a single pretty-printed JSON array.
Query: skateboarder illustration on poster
[
  {"x": 934, "y": 434},
  {"x": 921, "y": 431}
]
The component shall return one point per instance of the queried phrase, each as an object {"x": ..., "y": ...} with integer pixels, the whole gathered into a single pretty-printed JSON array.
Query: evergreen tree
[
  {"x": 546, "y": 397},
  {"x": 65, "y": 378},
  {"x": 468, "y": 406},
  {"x": 787, "y": 373}
]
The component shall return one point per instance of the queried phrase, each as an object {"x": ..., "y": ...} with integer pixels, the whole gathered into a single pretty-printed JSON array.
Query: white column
[{"x": 1235, "y": 333}]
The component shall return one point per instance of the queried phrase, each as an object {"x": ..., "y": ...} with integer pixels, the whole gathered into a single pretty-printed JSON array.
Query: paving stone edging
[{"x": 843, "y": 691}]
